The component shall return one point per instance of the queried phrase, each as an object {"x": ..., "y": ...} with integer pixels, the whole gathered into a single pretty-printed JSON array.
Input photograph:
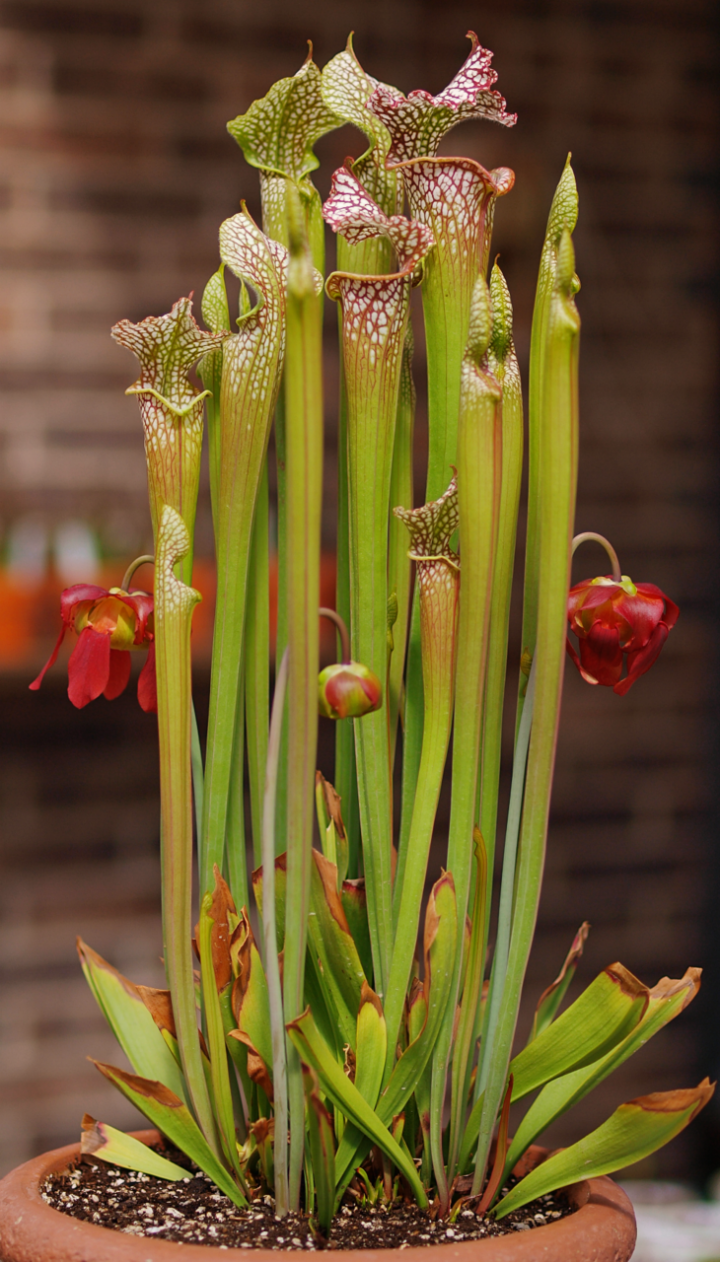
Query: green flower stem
[
  {"x": 438, "y": 581},
  {"x": 303, "y": 404},
  {"x": 472, "y": 991},
  {"x": 556, "y": 487},
  {"x": 174, "y": 604},
  {"x": 196, "y": 760},
  {"x": 257, "y": 663},
  {"x": 399, "y": 563},
  {"x": 479, "y": 458},
  {"x": 251, "y": 360},
  {"x": 563, "y": 215},
  {"x": 272, "y": 965}
]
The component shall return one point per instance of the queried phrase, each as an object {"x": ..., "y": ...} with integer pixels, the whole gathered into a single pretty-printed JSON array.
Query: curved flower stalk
[
  {"x": 109, "y": 623},
  {"x": 250, "y": 374},
  {"x": 171, "y": 409},
  {"x": 374, "y": 320},
  {"x": 438, "y": 576}
]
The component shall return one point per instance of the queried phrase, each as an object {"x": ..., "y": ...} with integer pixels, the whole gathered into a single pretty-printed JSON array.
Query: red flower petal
[
  {"x": 119, "y": 674},
  {"x": 74, "y": 595},
  {"x": 51, "y": 660},
  {"x": 89, "y": 667},
  {"x": 642, "y": 614},
  {"x": 672, "y": 613},
  {"x": 643, "y": 659},
  {"x": 600, "y": 655},
  {"x": 147, "y": 684}
]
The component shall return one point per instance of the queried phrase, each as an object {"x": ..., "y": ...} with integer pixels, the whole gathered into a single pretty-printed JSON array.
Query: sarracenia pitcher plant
[{"x": 331, "y": 1037}]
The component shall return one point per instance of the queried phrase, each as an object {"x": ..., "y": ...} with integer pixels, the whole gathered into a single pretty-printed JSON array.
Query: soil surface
[{"x": 193, "y": 1211}]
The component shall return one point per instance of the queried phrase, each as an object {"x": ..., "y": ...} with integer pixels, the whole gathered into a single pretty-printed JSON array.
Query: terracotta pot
[{"x": 602, "y": 1230}]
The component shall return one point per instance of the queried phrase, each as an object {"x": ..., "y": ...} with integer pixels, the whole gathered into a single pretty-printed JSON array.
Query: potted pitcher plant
[{"x": 331, "y": 1037}]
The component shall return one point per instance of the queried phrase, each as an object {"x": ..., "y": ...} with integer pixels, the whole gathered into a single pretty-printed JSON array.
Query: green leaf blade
[{"x": 635, "y": 1130}]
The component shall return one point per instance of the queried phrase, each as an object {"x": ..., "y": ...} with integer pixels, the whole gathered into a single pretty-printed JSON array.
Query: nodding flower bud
[
  {"x": 347, "y": 690},
  {"x": 617, "y": 622}
]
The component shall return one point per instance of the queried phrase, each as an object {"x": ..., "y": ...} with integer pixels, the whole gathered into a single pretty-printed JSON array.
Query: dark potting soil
[{"x": 193, "y": 1211}]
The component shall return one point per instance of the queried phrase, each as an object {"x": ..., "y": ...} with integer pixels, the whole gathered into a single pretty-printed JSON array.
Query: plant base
[{"x": 602, "y": 1229}]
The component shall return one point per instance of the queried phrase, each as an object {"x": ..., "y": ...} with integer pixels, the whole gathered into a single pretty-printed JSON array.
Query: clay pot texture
[{"x": 602, "y": 1230}]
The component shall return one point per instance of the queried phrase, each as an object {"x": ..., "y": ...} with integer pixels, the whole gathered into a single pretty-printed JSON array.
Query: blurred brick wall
[{"x": 115, "y": 170}]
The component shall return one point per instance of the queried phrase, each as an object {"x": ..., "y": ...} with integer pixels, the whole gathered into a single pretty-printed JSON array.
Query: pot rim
[{"x": 601, "y": 1230}]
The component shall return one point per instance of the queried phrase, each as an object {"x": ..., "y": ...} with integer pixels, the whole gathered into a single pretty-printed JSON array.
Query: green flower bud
[{"x": 347, "y": 690}]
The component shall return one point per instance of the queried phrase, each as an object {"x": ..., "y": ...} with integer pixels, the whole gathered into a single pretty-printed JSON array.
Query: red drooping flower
[
  {"x": 109, "y": 623},
  {"x": 616, "y": 620}
]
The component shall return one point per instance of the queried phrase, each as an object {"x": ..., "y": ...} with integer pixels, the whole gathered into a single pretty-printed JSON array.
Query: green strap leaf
[
  {"x": 634, "y": 1130},
  {"x": 332, "y": 942},
  {"x": 370, "y": 1046},
  {"x": 103, "y": 1141},
  {"x": 174, "y": 1119},
  {"x": 322, "y": 1151},
  {"x": 250, "y": 999},
  {"x": 440, "y": 943},
  {"x": 610, "y": 1007},
  {"x": 667, "y": 1000},
  {"x": 354, "y": 901},
  {"x": 213, "y": 933},
  {"x": 123, "y": 1006},
  {"x": 550, "y": 1000},
  {"x": 346, "y": 1097}
]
